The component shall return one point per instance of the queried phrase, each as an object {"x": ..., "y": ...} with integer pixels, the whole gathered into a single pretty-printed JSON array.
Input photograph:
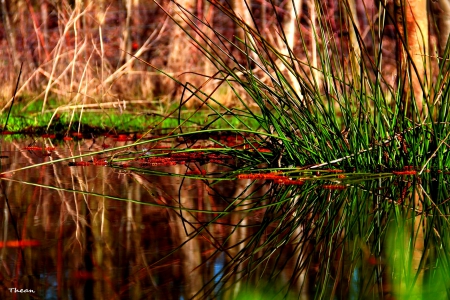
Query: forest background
[{"x": 85, "y": 52}]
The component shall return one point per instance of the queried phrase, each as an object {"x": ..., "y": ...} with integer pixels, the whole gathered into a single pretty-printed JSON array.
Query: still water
[{"x": 80, "y": 228}]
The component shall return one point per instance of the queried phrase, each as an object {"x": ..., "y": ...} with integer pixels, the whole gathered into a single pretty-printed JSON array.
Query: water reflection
[{"x": 144, "y": 233}]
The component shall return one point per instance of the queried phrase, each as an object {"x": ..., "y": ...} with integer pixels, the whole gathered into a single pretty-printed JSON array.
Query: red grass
[
  {"x": 333, "y": 171},
  {"x": 290, "y": 181},
  {"x": 157, "y": 163},
  {"x": 334, "y": 187},
  {"x": 372, "y": 260},
  {"x": 246, "y": 176},
  {"x": 33, "y": 148},
  {"x": 177, "y": 155},
  {"x": 404, "y": 173},
  {"x": 219, "y": 156},
  {"x": 270, "y": 176},
  {"x": 77, "y": 134},
  {"x": 216, "y": 161},
  {"x": 99, "y": 162},
  {"x": 84, "y": 275},
  {"x": 20, "y": 244},
  {"x": 80, "y": 163},
  {"x": 196, "y": 172},
  {"x": 123, "y": 138}
]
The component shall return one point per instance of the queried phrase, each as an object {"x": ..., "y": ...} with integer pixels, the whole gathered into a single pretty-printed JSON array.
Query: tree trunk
[
  {"x": 241, "y": 9},
  {"x": 443, "y": 23},
  {"x": 294, "y": 10},
  {"x": 412, "y": 51},
  {"x": 179, "y": 45},
  {"x": 10, "y": 35},
  {"x": 181, "y": 53},
  {"x": 126, "y": 43},
  {"x": 354, "y": 47},
  {"x": 290, "y": 26}
]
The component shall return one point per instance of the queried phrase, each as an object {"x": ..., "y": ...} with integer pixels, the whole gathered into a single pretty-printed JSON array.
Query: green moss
[{"x": 29, "y": 118}]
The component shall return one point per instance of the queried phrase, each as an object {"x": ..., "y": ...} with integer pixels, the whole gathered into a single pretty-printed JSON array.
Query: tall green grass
[{"x": 344, "y": 113}]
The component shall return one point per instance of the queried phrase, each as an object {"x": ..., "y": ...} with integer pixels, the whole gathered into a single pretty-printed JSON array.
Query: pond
[{"x": 78, "y": 224}]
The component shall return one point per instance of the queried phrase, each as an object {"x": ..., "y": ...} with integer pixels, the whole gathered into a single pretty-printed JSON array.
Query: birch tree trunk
[
  {"x": 290, "y": 26},
  {"x": 294, "y": 10},
  {"x": 412, "y": 51},
  {"x": 443, "y": 20}
]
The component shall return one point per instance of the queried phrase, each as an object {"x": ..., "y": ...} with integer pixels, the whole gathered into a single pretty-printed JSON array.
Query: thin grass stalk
[
  {"x": 13, "y": 98},
  {"x": 74, "y": 17}
]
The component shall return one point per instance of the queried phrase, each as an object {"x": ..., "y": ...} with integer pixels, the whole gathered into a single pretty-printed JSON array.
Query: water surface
[{"x": 83, "y": 229}]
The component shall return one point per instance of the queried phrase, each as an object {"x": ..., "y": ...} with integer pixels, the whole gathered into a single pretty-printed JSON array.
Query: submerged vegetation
[{"x": 339, "y": 169}]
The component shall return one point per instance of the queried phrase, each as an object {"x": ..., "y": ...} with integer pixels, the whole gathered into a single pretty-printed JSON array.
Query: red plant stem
[
  {"x": 36, "y": 28},
  {"x": 404, "y": 172},
  {"x": 334, "y": 187}
]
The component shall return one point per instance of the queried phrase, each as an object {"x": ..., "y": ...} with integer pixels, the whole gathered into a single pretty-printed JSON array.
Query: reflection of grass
[{"x": 414, "y": 274}]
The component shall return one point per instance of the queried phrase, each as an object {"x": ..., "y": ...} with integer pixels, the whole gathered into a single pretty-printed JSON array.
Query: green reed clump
[{"x": 317, "y": 108}]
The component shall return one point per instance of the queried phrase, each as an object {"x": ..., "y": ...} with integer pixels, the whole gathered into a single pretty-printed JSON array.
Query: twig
[
  {"x": 14, "y": 97},
  {"x": 434, "y": 153}
]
